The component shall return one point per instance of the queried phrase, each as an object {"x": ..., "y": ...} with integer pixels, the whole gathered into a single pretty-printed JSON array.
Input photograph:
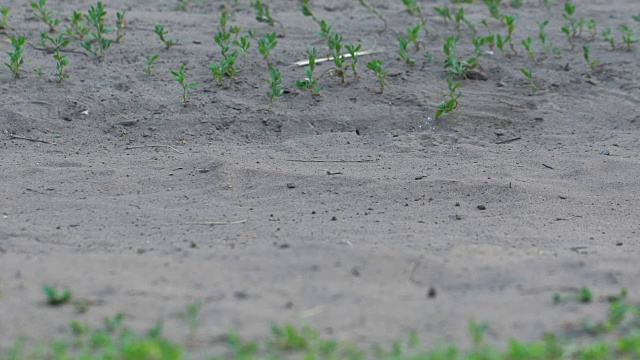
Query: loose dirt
[{"x": 353, "y": 211}]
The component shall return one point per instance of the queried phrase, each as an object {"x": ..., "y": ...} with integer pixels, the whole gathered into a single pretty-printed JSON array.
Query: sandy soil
[{"x": 351, "y": 211}]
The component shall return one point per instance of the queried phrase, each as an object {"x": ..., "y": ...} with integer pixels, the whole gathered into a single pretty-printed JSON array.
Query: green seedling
[
  {"x": 39, "y": 72},
  {"x": 243, "y": 45},
  {"x": 45, "y": 15},
  {"x": 263, "y": 14},
  {"x": 451, "y": 99},
  {"x": 542, "y": 35},
  {"x": 606, "y": 34},
  {"x": 191, "y": 315},
  {"x": 15, "y": 57},
  {"x": 325, "y": 30},
  {"x": 461, "y": 18},
  {"x": 477, "y": 331},
  {"x": 179, "y": 76},
  {"x": 183, "y": 4},
  {"x": 490, "y": 40},
  {"x": 548, "y": 5},
  {"x": 61, "y": 61},
  {"x": 515, "y": 3},
  {"x": 375, "y": 12},
  {"x": 585, "y": 295},
  {"x": 629, "y": 36},
  {"x": 4, "y": 19},
  {"x": 636, "y": 17},
  {"x": 445, "y": 12},
  {"x": 376, "y": 66},
  {"x": 494, "y": 8},
  {"x": 266, "y": 44},
  {"x": 585, "y": 53},
  {"x": 529, "y": 75},
  {"x": 274, "y": 82},
  {"x": 500, "y": 42},
  {"x": 150, "y": 60},
  {"x": 592, "y": 27},
  {"x": 413, "y": 35},
  {"x": 511, "y": 20},
  {"x": 79, "y": 28},
  {"x": 161, "y": 32},
  {"x": 310, "y": 82},
  {"x": 403, "y": 43},
  {"x": 226, "y": 67},
  {"x": 306, "y": 10},
  {"x": 526, "y": 43},
  {"x": 353, "y": 51},
  {"x": 452, "y": 65},
  {"x": 95, "y": 17},
  {"x": 571, "y": 25},
  {"x": 56, "y": 296},
  {"x": 414, "y": 9},
  {"x": 339, "y": 59},
  {"x": 61, "y": 64},
  {"x": 478, "y": 43},
  {"x": 121, "y": 23}
]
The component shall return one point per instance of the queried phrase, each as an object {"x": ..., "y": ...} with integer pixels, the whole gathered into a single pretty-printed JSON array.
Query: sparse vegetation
[
  {"x": 529, "y": 75},
  {"x": 161, "y": 32},
  {"x": 310, "y": 82},
  {"x": 180, "y": 78},
  {"x": 4, "y": 17},
  {"x": 451, "y": 99},
  {"x": 274, "y": 82},
  {"x": 150, "y": 60},
  {"x": 15, "y": 57},
  {"x": 263, "y": 14},
  {"x": 95, "y": 16},
  {"x": 45, "y": 15},
  {"x": 376, "y": 66},
  {"x": 56, "y": 296},
  {"x": 587, "y": 57}
]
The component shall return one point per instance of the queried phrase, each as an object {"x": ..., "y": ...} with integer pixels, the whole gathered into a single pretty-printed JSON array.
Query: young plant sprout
[
  {"x": 4, "y": 20},
  {"x": 353, "y": 51},
  {"x": 376, "y": 66},
  {"x": 243, "y": 45},
  {"x": 45, "y": 15},
  {"x": 306, "y": 10},
  {"x": 56, "y": 296},
  {"x": 161, "y": 32},
  {"x": 461, "y": 18},
  {"x": 542, "y": 35},
  {"x": 310, "y": 82},
  {"x": 39, "y": 72},
  {"x": 15, "y": 57},
  {"x": 339, "y": 60},
  {"x": 629, "y": 36},
  {"x": 511, "y": 20},
  {"x": 79, "y": 28},
  {"x": 61, "y": 61},
  {"x": 263, "y": 14},
  {"x": 452, "y": 65},
  {"x": 225, "y": 68},
  {"x": 267, "y": 43},
  {"x": 529, "y": 75},
  {"x": 585, "y": 53},
  {"x": 571, "y": 25},
  {"x": 606, "y": 34},
  {"x": 494, "y": 8},
  {"x": 636, "y": 17},
  {"x": 150, "y": 60},
  {"x": 592, "y": 26},
  {"x": 445, "y": 12},
  {"x": 95, "y": 17},
  {"x": 413, "y": 35},
  {"x": 478, "y": 42},
  {"x": 414, "y": 9},
  {"x": 179, "y": 76},
  {"x": 526, "y": 43},
  {"x": 375, "y": 12},
  {"x": 449, "y": 105},
  {"x": 274, "y": 85},
  {"x": 120, "y": 25},
  {"x": 403, "y": 43},
  {"x": 500, "y": 43}
]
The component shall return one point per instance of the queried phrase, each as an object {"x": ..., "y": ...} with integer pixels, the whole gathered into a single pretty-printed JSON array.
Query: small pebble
[
  {"x": 482, "y": 207},
  {"x": 291, "y": 185},
  {"x": 606, "y": 151}
]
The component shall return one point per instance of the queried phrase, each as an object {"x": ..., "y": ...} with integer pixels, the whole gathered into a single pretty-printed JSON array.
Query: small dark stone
[
  {"x": 291, "y": 185},
  {"x": 432, "y": 293},
  {"x": 457, "y": 204},
  {"x": 334, "y": 218},
  {"x": 458, "y": 217},
  {"x": 284, "y": 246},
  {"x": 240, "y": 295},
  {"x": 355, "y": 272},
  {"x": 482, "y": 207},
  {"x": 618, "y": 244}
]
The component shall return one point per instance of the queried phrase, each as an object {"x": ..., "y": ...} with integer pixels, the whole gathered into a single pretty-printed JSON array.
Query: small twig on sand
[
  {"x": 154, "y": 146},
  {"x": 509, "y": 140},
  {"x": 359, "y": 53},
  {"x": 330, "y": 161},
  {"x": 14, "y": 136},
  {"x": 218, "y": 222},
  {"x": 508, "y": 103},
  {"x": 568, "y": 218}
]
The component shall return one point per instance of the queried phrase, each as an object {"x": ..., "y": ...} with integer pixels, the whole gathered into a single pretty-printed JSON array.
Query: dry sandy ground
[{"x": 350, "y": 211}]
